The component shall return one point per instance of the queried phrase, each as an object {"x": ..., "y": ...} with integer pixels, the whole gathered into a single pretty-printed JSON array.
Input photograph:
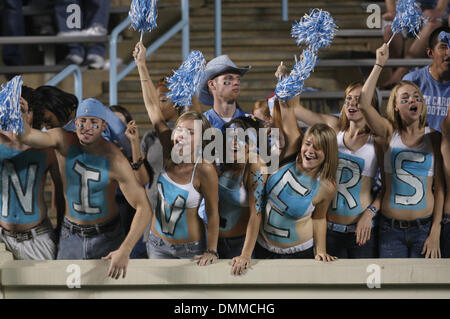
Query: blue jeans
[
  {"x": 158, "y": 248},
  {"x": 395, "y": 242},
  {"x": 445, "y": 238},
  {"x": 92, "y": 12},
  {"x": 73, "y": 245},
  {"x": 262, "y": 253},
  {"x": 343, "y": 245},
  {"x": 229, "y": 248},
  {"x": 13, "y": 25}
]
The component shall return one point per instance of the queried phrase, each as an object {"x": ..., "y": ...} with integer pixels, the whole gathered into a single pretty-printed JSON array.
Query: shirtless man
[
  {"x": 25, "y": 228},
  {"x": 92, "y": 169}
]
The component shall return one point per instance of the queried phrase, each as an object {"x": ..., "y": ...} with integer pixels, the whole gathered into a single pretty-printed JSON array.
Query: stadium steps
[{"x": 253, "y": 34}]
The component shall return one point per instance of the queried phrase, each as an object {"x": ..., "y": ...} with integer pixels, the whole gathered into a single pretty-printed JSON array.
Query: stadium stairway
[{"x": 253, "y": 33}]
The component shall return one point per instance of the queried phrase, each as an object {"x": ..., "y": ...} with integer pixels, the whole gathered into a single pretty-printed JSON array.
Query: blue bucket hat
[
  {"x": 215, "y": 67},
  {"x": 115, "y": 128},
  {"x": 93, "y": 108}
]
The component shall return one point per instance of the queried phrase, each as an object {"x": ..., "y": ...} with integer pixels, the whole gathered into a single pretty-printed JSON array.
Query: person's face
[
  {"x": 169, "y": 111},
  {"x": 408, "y": 103},
  {"x": 226, "y": 86},
  {"x": 50, "y": 120},
  {"x": 441, "y": 56},
  {"x": 312, "y": 156},
  {"x": 351, "y": 105},
  {"x": 238, "y": 146},
  {"x": 183, "y": 135},
  {"x": 89, "y": 129}
]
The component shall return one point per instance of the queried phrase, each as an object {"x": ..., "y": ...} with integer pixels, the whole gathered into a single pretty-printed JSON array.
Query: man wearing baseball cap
[
  {"x": 91, "y": 169},
  {"x": 220, "y": 88}
]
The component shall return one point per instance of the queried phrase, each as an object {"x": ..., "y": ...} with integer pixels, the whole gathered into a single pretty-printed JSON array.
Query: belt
[
  {"x": 405, "y": 224},
  {"x": 341, "y": 228},
  {"x": 42, "y": 228},
  {"x": 91, "y": 230}
]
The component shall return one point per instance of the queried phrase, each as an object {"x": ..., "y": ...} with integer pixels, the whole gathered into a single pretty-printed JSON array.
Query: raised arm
[
  {"x": 292, "y": 133},
  {"x": 137, "y": 198},
  {"x": 139, "y": 169},
  {"x": 379, "y": 125},
  {"x": 149, "y": 93},
  {"x": 37, "y": 139},
  {"x": 310, "y": 118}
]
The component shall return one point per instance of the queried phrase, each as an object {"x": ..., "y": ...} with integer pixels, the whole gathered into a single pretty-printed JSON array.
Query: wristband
[
  {"x": 373, "y": 210},
  {"x": 379, "y": 65},
  {"x": 212, "y": 252},
  {"x": 135, "y": 166}
]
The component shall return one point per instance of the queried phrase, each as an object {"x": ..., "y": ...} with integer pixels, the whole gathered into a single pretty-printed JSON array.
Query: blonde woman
[
  {"x": 413, "y": 191},
  {"x": 299, "y": 192},
  {"x": 176, "y": 230},
  {"x": 351, "y": 215}
]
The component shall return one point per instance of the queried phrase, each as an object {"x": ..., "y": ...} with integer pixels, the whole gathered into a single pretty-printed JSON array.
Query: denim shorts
[
  {"x": 158, "y": 248},
  {"x": 73, "y": 245},
  {"x": 396, "y": 242}
]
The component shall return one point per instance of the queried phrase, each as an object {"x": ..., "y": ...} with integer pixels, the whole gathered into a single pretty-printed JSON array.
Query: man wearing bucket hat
[
  {"x": 220, "y": 88},
  {"x": 91, "y": 169}
]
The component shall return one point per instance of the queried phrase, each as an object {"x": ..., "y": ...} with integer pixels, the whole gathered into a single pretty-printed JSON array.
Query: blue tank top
[
  {"x": 87, "y": 177},
  {"x": 233, "y": 198},
  {"x": 21, "y": 172},
  {"x": 289, "y": 198}
]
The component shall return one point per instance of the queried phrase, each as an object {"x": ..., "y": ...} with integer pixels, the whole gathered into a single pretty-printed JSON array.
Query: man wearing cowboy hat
[
  {"x": 220, "y": 88},
  {"x": 91, "y": 169}
]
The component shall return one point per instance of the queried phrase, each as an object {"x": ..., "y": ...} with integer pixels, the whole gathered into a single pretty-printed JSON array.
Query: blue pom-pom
[
  {"x": 184, "y": 82},
  {"x": 10, "y": 114},
  {"x": 408, "y": 17},
  {"x": 293, "y": 84},
  {"x": 445, "y": 37},
  {"x": 143, "y": 14},
  {"x": 315, "y": 30}
]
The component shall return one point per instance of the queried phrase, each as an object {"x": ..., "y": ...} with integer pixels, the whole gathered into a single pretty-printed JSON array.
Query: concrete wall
[{"x": 274, "y": 279}]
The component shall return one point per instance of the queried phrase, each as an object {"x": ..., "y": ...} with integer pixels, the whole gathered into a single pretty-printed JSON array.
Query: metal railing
[
  {"x": 115, "y": 78},
  {"x": 78, "y": 81}
]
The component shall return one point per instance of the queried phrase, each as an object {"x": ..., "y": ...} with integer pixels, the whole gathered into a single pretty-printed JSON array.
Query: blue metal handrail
[
  {"x": 114, "y": 78},
  {"x": 78, "y": 81}
]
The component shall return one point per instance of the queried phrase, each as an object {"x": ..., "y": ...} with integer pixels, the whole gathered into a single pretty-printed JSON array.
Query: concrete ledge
[{"x": 286, "y": 279}]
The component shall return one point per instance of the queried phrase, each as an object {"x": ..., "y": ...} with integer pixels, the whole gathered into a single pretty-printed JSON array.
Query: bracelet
[
  {"x": 373, "y": 210},
  {"x": 212, "y": 252},
  {"x": 379, "y": 65},
  {"x": 135, "y": 166}
]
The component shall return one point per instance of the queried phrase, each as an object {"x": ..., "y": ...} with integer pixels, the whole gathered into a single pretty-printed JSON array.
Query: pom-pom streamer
[
  {"x": 143, "y": 14},
  {"x": 408, "y": 17},
  {"x": 315, "y": 30},
  {"x": 293, "y": 84},
  {"x": 185, "y": 80},
  {"x": 445, "y": 37},
  {"x": 10, "y": 114}
]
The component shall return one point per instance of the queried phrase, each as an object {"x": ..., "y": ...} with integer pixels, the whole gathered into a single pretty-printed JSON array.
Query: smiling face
[
  {"x": 311, "y": 155},
  {"x": 183, "y": 137},
  {"x": 89, "y": 129}
]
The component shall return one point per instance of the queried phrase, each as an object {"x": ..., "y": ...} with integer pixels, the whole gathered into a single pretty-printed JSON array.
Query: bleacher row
[{"x": 252, "y": 34}]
